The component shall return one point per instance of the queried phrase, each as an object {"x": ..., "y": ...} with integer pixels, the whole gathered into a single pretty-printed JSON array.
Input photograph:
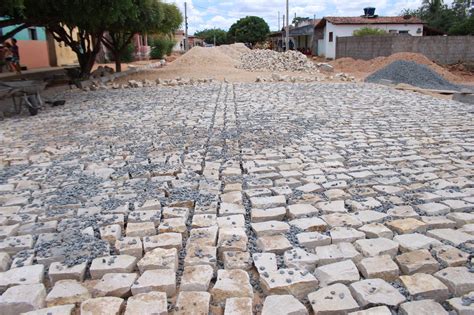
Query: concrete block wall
[{"x": 442, "y": 49}]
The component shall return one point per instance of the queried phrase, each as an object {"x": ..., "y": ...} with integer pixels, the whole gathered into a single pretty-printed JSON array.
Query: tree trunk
[{"x": 118, "y": 62}]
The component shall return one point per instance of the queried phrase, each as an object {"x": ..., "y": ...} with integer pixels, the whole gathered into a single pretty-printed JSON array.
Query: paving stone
[
  {"x": 54, "y": 310},
  {"x": 201, "y": 255},
  {"x": 173, "y": 225},
  {"x": 268, "y": 202},
  {"x": 115, "y": 284},
  {"x": 438, "y": 222},
  {"x": 196, "y": 278},
  {"x": 406, "y": 226},
  {"x": 231, "y": 283},
  {"x": 261, "y": 215},
  {"x": 311, "y": 240},
  {"x": 375, "y": 291},
  {"x": 147, "y": 304},
  {"x": 334, "y": 299},
  {"x": 277, "y": 244},
  {"x": 463, "y": 305},
  {"x": 23, "y": 275},
  {"x": 112, "y": 264},
  {"x": 301, "y": 210},
  {"x": 5, "y": 261},
  {"x": 382, "y": 267},
  {"x": 265, "y": 262},
  {"x": 231, "y": 221},
  {"x": 370, "y": 216},
  {"x": 417, "y": 261},
  {"x": 331, "y": 206},
  {"x": 281, "y": 305},
  {"x": 376, "y": 247},
  {"x": 22, "y": 299},
  {"x": 190, "y": 302},
  {"x": 433, "y": 209},
  {"x": 425, "y": 286},
  {"x": 378, "y": 310},
  {"x": 269, "y": 228},
  {"x": 450, "y": 256},
  {"x": 401, "y": 212},
  {"x": 238, "y": 306},
  {"x": 313, "y": 224},
  {"x": 175, "y": 212},
  {"x": 344, "y": 272},
  {"x": 58, "y": 271},
  {"x": 453, "y": 236},
  {"x": 289, "y": 281},
  {"x": 163, "y": 280},
  {"x": 424, "y": 307},
  {"x": 376, "y": 230},
  {"x": 67, "y": 292},
  {"x": 300, "y": 259},
  {"x": 341, "y": 220},
  {"x": 345, "y": 234},
  {"x": 163, "y": 240},
  {"x": 159, "y": 258},
  {"x": 337, "y": 252},
  {"x": 231, "y": 208},
  {"x": 130, "y": 246},
  {"x": 14, "y": 244},
  {"x": 102, "y": 305},
  {"x": 236, "y": 260},
  {"x": 415, "y": 241},
  {"x": 458, "y": 279}
]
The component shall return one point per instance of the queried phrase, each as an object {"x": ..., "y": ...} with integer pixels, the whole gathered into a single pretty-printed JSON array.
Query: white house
[{"x": 330, "y": 28}]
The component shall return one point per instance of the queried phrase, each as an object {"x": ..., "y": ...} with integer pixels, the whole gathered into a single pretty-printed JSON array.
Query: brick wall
[{"x": 442, "y": 49}]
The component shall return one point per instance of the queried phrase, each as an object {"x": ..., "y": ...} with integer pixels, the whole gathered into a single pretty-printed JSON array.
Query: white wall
[{"x": 348, "y": 30}]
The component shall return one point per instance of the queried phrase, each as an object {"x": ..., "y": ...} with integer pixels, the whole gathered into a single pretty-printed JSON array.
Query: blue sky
[{"x": 221, "y": 14}]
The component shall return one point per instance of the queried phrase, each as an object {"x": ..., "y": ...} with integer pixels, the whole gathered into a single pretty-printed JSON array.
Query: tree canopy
[
  {"x": 208, "y": 36},
  {"x": 453, "y": 20},
  {"x": 82, "y": 24},
  {"x": 251, "y": 29},
  {"x": 368, "y": 31}
]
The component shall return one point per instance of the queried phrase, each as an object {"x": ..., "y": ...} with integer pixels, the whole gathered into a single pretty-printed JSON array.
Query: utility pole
[
  {"x": 186, "y": 44},
  {"x": 287, "y": 39},
  {"x": 283, "y": 35},
  {"x": 279, "y": 29}
]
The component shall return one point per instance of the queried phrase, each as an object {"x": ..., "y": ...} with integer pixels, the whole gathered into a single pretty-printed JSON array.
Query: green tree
[
  {"x": 367, "y": 31},
  {"x": 299, "y": 19},
  {"x": 251, "y": 29},
  {"x": 79, "y": 24},
  {"x": 145, "y": 16},
  {"x": 465, "y": 27},
  {"x": 208, "y": 36},
  {"x": 13, "y": 14}
]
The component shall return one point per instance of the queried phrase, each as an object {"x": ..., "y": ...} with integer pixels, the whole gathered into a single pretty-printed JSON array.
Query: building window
[
  {"x": 33, "y": 34},
  {"x": 403, "y": 32},
  {"x": 1, "y": 31},
  {"x": 331, "y": 37}
]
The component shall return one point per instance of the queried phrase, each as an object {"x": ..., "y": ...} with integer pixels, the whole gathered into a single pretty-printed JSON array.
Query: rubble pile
[{"x": 265, "y": 59}]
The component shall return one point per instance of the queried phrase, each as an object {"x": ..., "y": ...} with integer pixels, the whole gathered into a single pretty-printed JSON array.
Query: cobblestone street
[{"x": 239, "y": 199}]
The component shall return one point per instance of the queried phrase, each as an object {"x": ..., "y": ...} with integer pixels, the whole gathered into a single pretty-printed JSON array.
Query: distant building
[
  {"x": 330, "y": 28},
  {"x": 32, "y": 45}
]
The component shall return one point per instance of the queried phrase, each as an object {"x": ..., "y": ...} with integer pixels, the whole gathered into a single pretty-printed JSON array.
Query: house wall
[
  {"x": 441, "y": 49},
  {"x": 348, "y": 30},
  {"x": 33, "y": 53}
]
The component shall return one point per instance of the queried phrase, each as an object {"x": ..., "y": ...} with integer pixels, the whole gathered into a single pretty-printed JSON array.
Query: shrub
[
  {"x": 367, "y": 31},
  {"x": 161, "y": 47},
  {"x": 127, "y": 56}
]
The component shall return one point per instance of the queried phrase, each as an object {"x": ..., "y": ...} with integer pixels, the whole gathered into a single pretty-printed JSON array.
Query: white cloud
[{"x": 221, "y": 14}]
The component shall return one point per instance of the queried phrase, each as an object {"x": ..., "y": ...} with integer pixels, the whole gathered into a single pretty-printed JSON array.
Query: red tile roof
[{"x": 373, "y": 20}]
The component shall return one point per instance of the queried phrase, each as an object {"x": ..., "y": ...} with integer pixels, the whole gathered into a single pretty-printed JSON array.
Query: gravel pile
[
  {"x": 264, "y": 59},
  {"x": 412, "y": 73}
]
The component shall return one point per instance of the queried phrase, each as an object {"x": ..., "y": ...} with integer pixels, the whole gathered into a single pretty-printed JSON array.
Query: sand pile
[
  {"x": 210, "y": 57},
  {"x": 369, "y": 66}
]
